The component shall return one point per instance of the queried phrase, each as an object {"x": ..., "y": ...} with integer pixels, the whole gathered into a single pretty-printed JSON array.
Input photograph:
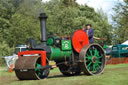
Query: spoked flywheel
[
  {"x": 29, "y": 68},
  {"x": 93, "y": 59}
]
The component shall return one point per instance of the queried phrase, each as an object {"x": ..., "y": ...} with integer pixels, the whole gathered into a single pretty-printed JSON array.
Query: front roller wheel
[
  {"x": 28, "y": 68},
  {"x": 93, "y": 59}
]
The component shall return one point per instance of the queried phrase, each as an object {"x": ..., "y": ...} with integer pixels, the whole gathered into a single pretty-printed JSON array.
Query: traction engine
[{"x": 72, "y": 55}]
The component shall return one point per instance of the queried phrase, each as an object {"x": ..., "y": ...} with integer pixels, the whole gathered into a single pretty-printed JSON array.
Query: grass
[{"x": 113, "y": 75}]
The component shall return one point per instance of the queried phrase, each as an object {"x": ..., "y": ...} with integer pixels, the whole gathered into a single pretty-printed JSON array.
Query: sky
[{"x": 106, "y": 5}]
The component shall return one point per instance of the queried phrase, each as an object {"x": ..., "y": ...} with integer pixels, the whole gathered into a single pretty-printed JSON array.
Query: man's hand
[{"x": 101, "y": 38}]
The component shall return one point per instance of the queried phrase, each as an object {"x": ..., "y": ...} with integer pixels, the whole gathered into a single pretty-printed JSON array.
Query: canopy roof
[{"x": 125, "y": 43}]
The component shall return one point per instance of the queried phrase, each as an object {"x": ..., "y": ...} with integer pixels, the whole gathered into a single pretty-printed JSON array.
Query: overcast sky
[{"x": 106, "y": 5}]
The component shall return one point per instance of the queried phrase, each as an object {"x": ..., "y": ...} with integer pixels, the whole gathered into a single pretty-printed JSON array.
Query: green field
[{"x": 113, "y": 75}]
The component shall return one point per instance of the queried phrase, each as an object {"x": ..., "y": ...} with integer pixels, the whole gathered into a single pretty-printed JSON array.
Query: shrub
[{"x": 5, "y": 50}]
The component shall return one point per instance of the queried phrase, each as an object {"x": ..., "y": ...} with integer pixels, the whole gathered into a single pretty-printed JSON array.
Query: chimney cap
[{"x": 43, "y": 16}]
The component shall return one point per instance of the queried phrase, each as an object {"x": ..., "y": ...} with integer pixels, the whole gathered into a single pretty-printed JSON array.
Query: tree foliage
[{"x": 120, "y": 19}]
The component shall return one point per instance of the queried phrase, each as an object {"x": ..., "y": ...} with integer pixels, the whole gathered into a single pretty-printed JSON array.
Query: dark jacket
[{"x": 90, "y": 35}]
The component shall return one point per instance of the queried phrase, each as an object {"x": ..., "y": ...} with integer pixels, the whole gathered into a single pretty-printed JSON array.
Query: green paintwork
[
  {"x": 93, "y": 66},
  {"x": 105, "y": 46},
  {"x": 58, "y": 54},
  {"x": 50, "y": 41},
  {"x": 66, "y": 45},
  {"x": 38, "y": 71}
]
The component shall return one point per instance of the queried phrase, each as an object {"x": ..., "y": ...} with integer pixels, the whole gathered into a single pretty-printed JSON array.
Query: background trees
[{"x": 120, "y": 19}]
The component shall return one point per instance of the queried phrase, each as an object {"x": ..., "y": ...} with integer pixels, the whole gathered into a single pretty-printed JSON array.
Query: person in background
[{"x": 90, "y": 32}]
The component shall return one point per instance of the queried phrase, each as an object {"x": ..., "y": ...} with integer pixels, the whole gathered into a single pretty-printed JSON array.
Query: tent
[{"x": 125, "y": 43}]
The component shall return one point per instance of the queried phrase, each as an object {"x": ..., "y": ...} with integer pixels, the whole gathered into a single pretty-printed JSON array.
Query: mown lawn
[{"x": 113, "y": 75}]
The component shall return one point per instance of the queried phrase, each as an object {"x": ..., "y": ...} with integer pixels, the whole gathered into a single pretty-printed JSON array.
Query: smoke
[{"x": 34, "y": 7}]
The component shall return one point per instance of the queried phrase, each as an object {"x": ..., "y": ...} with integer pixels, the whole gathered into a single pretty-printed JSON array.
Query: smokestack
[{"x": 43, "y": 17}]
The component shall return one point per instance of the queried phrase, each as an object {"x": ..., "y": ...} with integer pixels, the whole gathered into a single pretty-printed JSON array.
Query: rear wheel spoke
[
  {"x": 89, "y": 57},
  {"x": 89, "y": 64},
  {"x": 99, "y": 56},
  {"x": 87, "y": 54},
  {"x": 97, "y": 64},
  {"x": 95, "y": 52},
  {"x": 94, "y": 68},
  {"x": 90, "y": 52}
]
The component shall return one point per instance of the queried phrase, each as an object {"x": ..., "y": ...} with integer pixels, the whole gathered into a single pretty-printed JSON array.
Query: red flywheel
[{"x": 79, "y": 40}]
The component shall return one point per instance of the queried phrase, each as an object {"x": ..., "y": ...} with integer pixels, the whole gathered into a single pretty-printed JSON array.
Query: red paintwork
[
  {"x": 79, "y": 40},
  {"x": 42, "y": 53}
]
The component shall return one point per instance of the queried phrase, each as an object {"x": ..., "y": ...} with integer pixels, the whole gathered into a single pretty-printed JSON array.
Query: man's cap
[{"x": 88, "y": 25}]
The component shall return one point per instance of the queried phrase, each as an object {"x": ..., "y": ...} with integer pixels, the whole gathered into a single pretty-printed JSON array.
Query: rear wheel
[{"x": 93, "y": 59}]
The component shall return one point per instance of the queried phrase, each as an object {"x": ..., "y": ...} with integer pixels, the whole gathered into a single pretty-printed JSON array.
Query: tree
[
  {"x": 22, "y": 28},
  {"x": 6, "y": 11},
  {"x": 25, "y": 23},
  {"x": 5, "y": 50},
  {"x": 120, "y": 19},
  {"x": 70, "y": 3}
]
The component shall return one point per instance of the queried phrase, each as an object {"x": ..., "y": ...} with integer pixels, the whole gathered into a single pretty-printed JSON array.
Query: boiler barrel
[{"x": 58, "y": 54}]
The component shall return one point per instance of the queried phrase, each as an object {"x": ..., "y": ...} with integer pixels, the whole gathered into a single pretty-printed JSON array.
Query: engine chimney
[{"x": 43, "y": 17}]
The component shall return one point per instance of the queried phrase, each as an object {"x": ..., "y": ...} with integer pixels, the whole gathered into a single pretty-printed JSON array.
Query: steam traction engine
[{"x": 72, "y": 56}]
